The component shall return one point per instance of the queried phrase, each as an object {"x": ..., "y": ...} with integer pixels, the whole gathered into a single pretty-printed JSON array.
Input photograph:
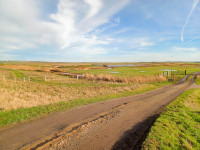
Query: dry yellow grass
[
  {"x": 20, "y": 94},
  {"x": 42, "y": 66},
  {"x": 31, "y": 68},
  {"x": 134, "y": 79},
  {"x": 191, "y": 101},
  {"x": 6, "y": 73}
]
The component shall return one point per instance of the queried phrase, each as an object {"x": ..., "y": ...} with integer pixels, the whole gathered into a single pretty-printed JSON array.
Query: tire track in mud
[{"x": 76, "y": 129}]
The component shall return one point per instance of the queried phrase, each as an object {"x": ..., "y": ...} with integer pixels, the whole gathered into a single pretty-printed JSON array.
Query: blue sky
[{"x": 100, "y": 30}]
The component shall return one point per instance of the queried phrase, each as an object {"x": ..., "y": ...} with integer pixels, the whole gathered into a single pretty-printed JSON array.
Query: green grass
[
  {"x": 178, "y": 127},
  {"x": 12, "y": 117},
  {"x": 18, "y": 74}
]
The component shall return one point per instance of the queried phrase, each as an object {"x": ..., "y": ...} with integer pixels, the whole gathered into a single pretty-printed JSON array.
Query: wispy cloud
[
  {"x": 71, "y": 24},
  {"x": 95, "y": 6},
  {"x": 140, "y": 43},
  {"x": 18, "y": 27},
  {"x": 190, "y": 49},
  {"x": 188, "y": 18}
]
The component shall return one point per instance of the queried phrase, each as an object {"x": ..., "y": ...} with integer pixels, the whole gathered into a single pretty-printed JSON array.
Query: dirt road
[{"x": 115, "y": 124}]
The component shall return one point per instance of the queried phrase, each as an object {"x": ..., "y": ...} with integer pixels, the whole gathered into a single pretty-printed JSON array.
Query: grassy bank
[
  {"x": 12, "y": 117},
  {"x": 178, "y": 127},
  {"x": 198, "y": 80}
]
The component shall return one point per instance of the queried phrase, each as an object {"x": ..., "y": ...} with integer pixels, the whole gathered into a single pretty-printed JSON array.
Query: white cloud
[
  {"x": 18, "y": 24},
  {"x": 73, "y": 22},
  {"x": 95, "y": 6},
  {"x": 191, "y": 49},
  {"x": 144, "y": 44},
  {"x": 141, "y": 43},
  {"x": 195, "y": 3},
  {"x": 22, "y": 25}
]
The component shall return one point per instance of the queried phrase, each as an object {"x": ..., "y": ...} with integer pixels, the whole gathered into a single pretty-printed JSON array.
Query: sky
[{"x": 100, "y": 30}]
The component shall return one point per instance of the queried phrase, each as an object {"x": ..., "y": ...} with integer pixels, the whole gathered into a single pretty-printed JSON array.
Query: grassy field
[
  {"x": 178, "y": 127},
  {"x": 30, "y": 89}
]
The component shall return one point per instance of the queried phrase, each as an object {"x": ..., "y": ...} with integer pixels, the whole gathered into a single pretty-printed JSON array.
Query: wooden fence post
[
  {"x": 29, "y": 78},
  {"x": 4, "y": 78}
]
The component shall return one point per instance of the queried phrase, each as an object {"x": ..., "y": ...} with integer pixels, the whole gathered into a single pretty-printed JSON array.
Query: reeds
[
  {"x": 134, "y": 79},
  {"x": 14, "y": 95}
]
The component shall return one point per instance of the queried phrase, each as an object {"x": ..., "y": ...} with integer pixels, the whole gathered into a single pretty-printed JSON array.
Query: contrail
[{"x": 188, "y": 18}]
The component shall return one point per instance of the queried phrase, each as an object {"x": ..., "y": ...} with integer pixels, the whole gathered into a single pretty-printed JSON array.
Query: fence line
[{"x": 32, "y": 78}]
